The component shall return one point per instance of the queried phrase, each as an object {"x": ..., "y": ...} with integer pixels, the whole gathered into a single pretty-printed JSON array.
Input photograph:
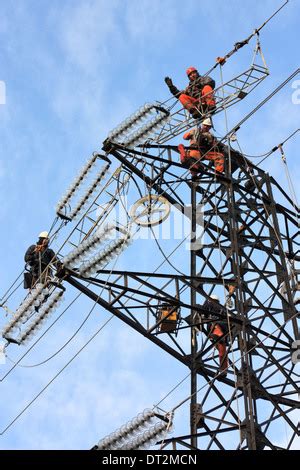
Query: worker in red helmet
[
  {"x": 203, "y": 145},
  {"x": 198, "y": 97}
]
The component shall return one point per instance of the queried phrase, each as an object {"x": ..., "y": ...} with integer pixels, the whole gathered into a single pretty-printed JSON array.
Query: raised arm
[{"x": 172, "y": 87}]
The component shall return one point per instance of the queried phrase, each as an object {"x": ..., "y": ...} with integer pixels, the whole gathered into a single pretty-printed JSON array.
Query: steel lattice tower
[
  {"x": 255, "y": 239},
  {"x": 248, "y": 255}
]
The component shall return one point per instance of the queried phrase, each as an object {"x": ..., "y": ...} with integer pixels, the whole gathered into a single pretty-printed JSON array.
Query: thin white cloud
[
  {"x": 87, "y": 32},
  {"x": 145, "y": 22}
]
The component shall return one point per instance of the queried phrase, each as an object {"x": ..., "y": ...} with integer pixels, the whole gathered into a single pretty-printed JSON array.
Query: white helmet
[
  {"x": 214, "y": 297},
  {"x": 44, "y": 235},
  {"x": 207, "y": 122}
]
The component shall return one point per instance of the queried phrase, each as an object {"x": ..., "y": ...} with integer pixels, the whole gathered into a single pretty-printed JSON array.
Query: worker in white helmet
[
  {"x": 203, "y": 145},
  {"x": 219, "y": 329},
  {"x": 38, "y": 258}
]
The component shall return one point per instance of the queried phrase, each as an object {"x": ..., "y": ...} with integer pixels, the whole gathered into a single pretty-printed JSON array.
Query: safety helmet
[
  {"x": 44, "y": 235},
  {"x": 190, "y": 70},
  {"x": 206, "y": 122},
  {"x": 214, "y": 297}
]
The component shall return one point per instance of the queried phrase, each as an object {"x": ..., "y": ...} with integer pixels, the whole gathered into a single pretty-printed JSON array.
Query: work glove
[{"x": 168, "y": 81}]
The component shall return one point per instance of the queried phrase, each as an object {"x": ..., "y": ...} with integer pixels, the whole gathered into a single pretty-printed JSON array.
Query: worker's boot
[
  {"x": 195, "y": 113},
  {"x": 208, "y": 109},
  {"x": 182, "y": 153}
]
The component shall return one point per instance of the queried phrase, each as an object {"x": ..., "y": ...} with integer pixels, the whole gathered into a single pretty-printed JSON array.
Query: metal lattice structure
[
  {"x": 244, "y": 248},
  {"x": 226, "y": 95},
  {"x": 255, "y": 237}
]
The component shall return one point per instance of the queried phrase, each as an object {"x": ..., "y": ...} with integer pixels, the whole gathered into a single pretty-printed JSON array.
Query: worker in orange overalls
[
  {"x": 198, "y": 96},
  {"x": 202, "y": 145},
  {"x": 219, "y": 329}
]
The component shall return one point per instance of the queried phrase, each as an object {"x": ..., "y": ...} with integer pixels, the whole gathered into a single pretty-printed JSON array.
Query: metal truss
[
  {"x": 226, "y": 96},
  {"x": 250, "y": 247},
  {"x": 99, "y": 210}
]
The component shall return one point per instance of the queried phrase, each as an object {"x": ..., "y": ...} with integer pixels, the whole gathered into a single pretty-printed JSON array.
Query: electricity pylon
[
  {"x": 248, "y": 256},
  {"x": 249, "y": 253}
]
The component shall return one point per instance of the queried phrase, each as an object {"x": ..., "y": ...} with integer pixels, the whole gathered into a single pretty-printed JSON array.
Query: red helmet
[{"x": 190, "y": 70}]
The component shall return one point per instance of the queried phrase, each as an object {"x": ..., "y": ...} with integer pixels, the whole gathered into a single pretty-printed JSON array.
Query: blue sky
[{"x": 73, "y": 70}]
